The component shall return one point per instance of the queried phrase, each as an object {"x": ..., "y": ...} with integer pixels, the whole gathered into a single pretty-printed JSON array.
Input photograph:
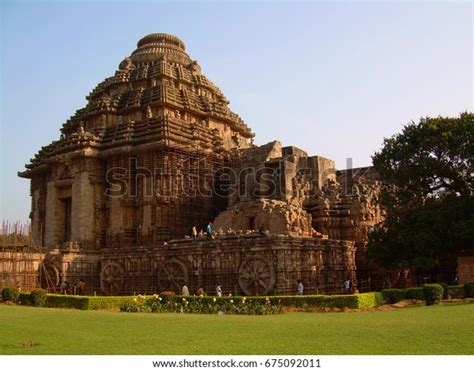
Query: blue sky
[{"x": 331, "y": 78}]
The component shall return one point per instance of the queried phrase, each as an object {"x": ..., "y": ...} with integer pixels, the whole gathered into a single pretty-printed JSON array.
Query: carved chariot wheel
[
  {"x": 48, "y": 275},
  {"x": 256, "y": 276},
  {"x": 172, "y": 276},
  {"x": 112, "y": 279}
]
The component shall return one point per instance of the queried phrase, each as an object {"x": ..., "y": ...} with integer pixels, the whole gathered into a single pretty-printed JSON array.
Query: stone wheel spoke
[
  {"x": 172, "y": 275},
  {"x": 112, "y": 279},
  {"x": 256, "y": 276}
]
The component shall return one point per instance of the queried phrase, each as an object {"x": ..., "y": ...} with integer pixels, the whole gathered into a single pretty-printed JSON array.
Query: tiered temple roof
[{"x": 157, "y": 97}]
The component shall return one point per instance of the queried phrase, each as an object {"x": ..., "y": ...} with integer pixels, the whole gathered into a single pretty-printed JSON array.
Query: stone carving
[
  {"x": 126, "y": 64},
  {"x": 149, "y": 113},
  {"x": 112, "y": 279},
  {"x": 103, "y": 121},
  {"x": 256, "y": 276},
  {"x": 172, "y": 275}
]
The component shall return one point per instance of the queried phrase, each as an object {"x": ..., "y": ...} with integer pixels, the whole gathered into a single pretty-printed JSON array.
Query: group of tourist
[
  {"x": 79, "y": 288},
  {"x": 209, "y": 232},
  {"x": 185, "y": 291},
  {"x": 348, "y": 289}
]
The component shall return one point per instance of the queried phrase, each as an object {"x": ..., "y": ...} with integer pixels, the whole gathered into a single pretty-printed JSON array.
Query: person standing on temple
[
  {"x": 194, "y": 233},
  {"x": 300, "y": 287},
  {"x": 209, "y": 231},
  {"x": 185, "y": 291},
  {"x": 348, "y": 286},
  {"x": 63, "y": 287}
]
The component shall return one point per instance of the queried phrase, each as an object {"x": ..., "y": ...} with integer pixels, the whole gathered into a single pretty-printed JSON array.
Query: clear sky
[{"x": 331, "y": 78}]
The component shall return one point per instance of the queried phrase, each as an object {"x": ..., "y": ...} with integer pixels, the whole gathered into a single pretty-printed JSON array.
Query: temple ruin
[{"x": 156, "y": 151}]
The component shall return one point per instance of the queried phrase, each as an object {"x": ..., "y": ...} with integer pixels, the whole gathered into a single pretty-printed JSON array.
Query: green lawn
[{"x": 446, "y": 329}]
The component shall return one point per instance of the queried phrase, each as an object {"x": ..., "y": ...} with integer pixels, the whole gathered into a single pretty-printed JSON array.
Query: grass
[{"x": 443, "y": 329}]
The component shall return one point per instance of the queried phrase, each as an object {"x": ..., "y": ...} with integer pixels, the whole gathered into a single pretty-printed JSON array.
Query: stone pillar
[
  {"x": 115, "y": 222},
  {"x": 35, "y": 218},
  {"x": 83, "y": 211},
  {"x": 51, "y": 236}
]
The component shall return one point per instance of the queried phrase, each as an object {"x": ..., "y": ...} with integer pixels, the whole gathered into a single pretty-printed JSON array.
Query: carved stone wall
[
  {"x": 28, "y": 268},
  {"x": 273, "y": 216},
  {"x": 239, "y": 263}
]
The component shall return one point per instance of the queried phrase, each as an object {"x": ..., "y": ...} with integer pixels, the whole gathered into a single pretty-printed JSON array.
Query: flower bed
[{"x": 208, "y": 304}]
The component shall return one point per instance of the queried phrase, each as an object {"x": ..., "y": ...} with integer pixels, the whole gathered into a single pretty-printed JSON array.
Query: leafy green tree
[{"x": 428, "y": 195}]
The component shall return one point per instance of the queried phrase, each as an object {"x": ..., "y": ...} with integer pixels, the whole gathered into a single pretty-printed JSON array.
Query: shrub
[
  {"x": 38, "y": 298},
  {"x": 85, "y": 302},
  {"x": 393, "y": 296},
  {"x": 415, "y": 293},
  {"x": 247, "y": 305},
  {"x": 167, "y": 293},
  {"x": 201, "y": 304},
  {"x": 313, "y": 301},
  {"x": 445, "y": 287},
  {"x": 433, "y": 293},
  {"x": 469, "y": 290},
  {"x": 67, "y": 301},
  {"x": 105, "y": 302},
  {"x": 134, "y": 305},
  {"x": 370, "y": 300},
  {"x": 24, "y": 298},
  {"x": 206, "y": 304},
  {"x": 456, "y": 291},
  {"x": 10, "y": 294}
]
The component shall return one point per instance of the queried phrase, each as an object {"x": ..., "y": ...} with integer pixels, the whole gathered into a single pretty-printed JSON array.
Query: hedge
[
  {"x": 203, "y": 305},
  {"x": 469, "y": 290},
  {"x": 10, "y": 294},
  {"x": 392, "y": 296},
  {"x": 456, "y": 291},
  {"x": 445, "y": 287},
  {"x": 356, "y": 301},
  {"x": 38, "y": 298},
  {"x": 433, "y": 293},
  {"x": 415, "y": 293},
  {"x": 370, "y": 300},
  {"x": 24, "y": 298},
  {"x": 78, "y": 302}
]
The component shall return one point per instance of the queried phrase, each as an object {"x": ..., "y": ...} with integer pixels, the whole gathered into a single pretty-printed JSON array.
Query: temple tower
[{"x": 137, "y": 165}]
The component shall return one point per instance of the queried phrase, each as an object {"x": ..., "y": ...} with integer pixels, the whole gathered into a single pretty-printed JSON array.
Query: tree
[{"x": 427, "y": 171}]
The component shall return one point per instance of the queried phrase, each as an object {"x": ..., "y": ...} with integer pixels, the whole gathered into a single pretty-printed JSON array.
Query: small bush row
[
  {"x": 248, "y": 305},
  {"x": 392, "y": 296},
  {"x": 433, "y": 293},
  {"x": 36, "y": 298},
  {"x": 10, "y": 294},
  {"x": 469, "y": 290},
  {"x": 202, "y": 305},
  {"x": 77, "y": 302},
  {"x": 205, "y": 304}
]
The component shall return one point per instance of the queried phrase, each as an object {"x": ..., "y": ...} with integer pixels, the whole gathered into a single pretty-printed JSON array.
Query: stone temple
[{"x": 156, "y": 151}]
